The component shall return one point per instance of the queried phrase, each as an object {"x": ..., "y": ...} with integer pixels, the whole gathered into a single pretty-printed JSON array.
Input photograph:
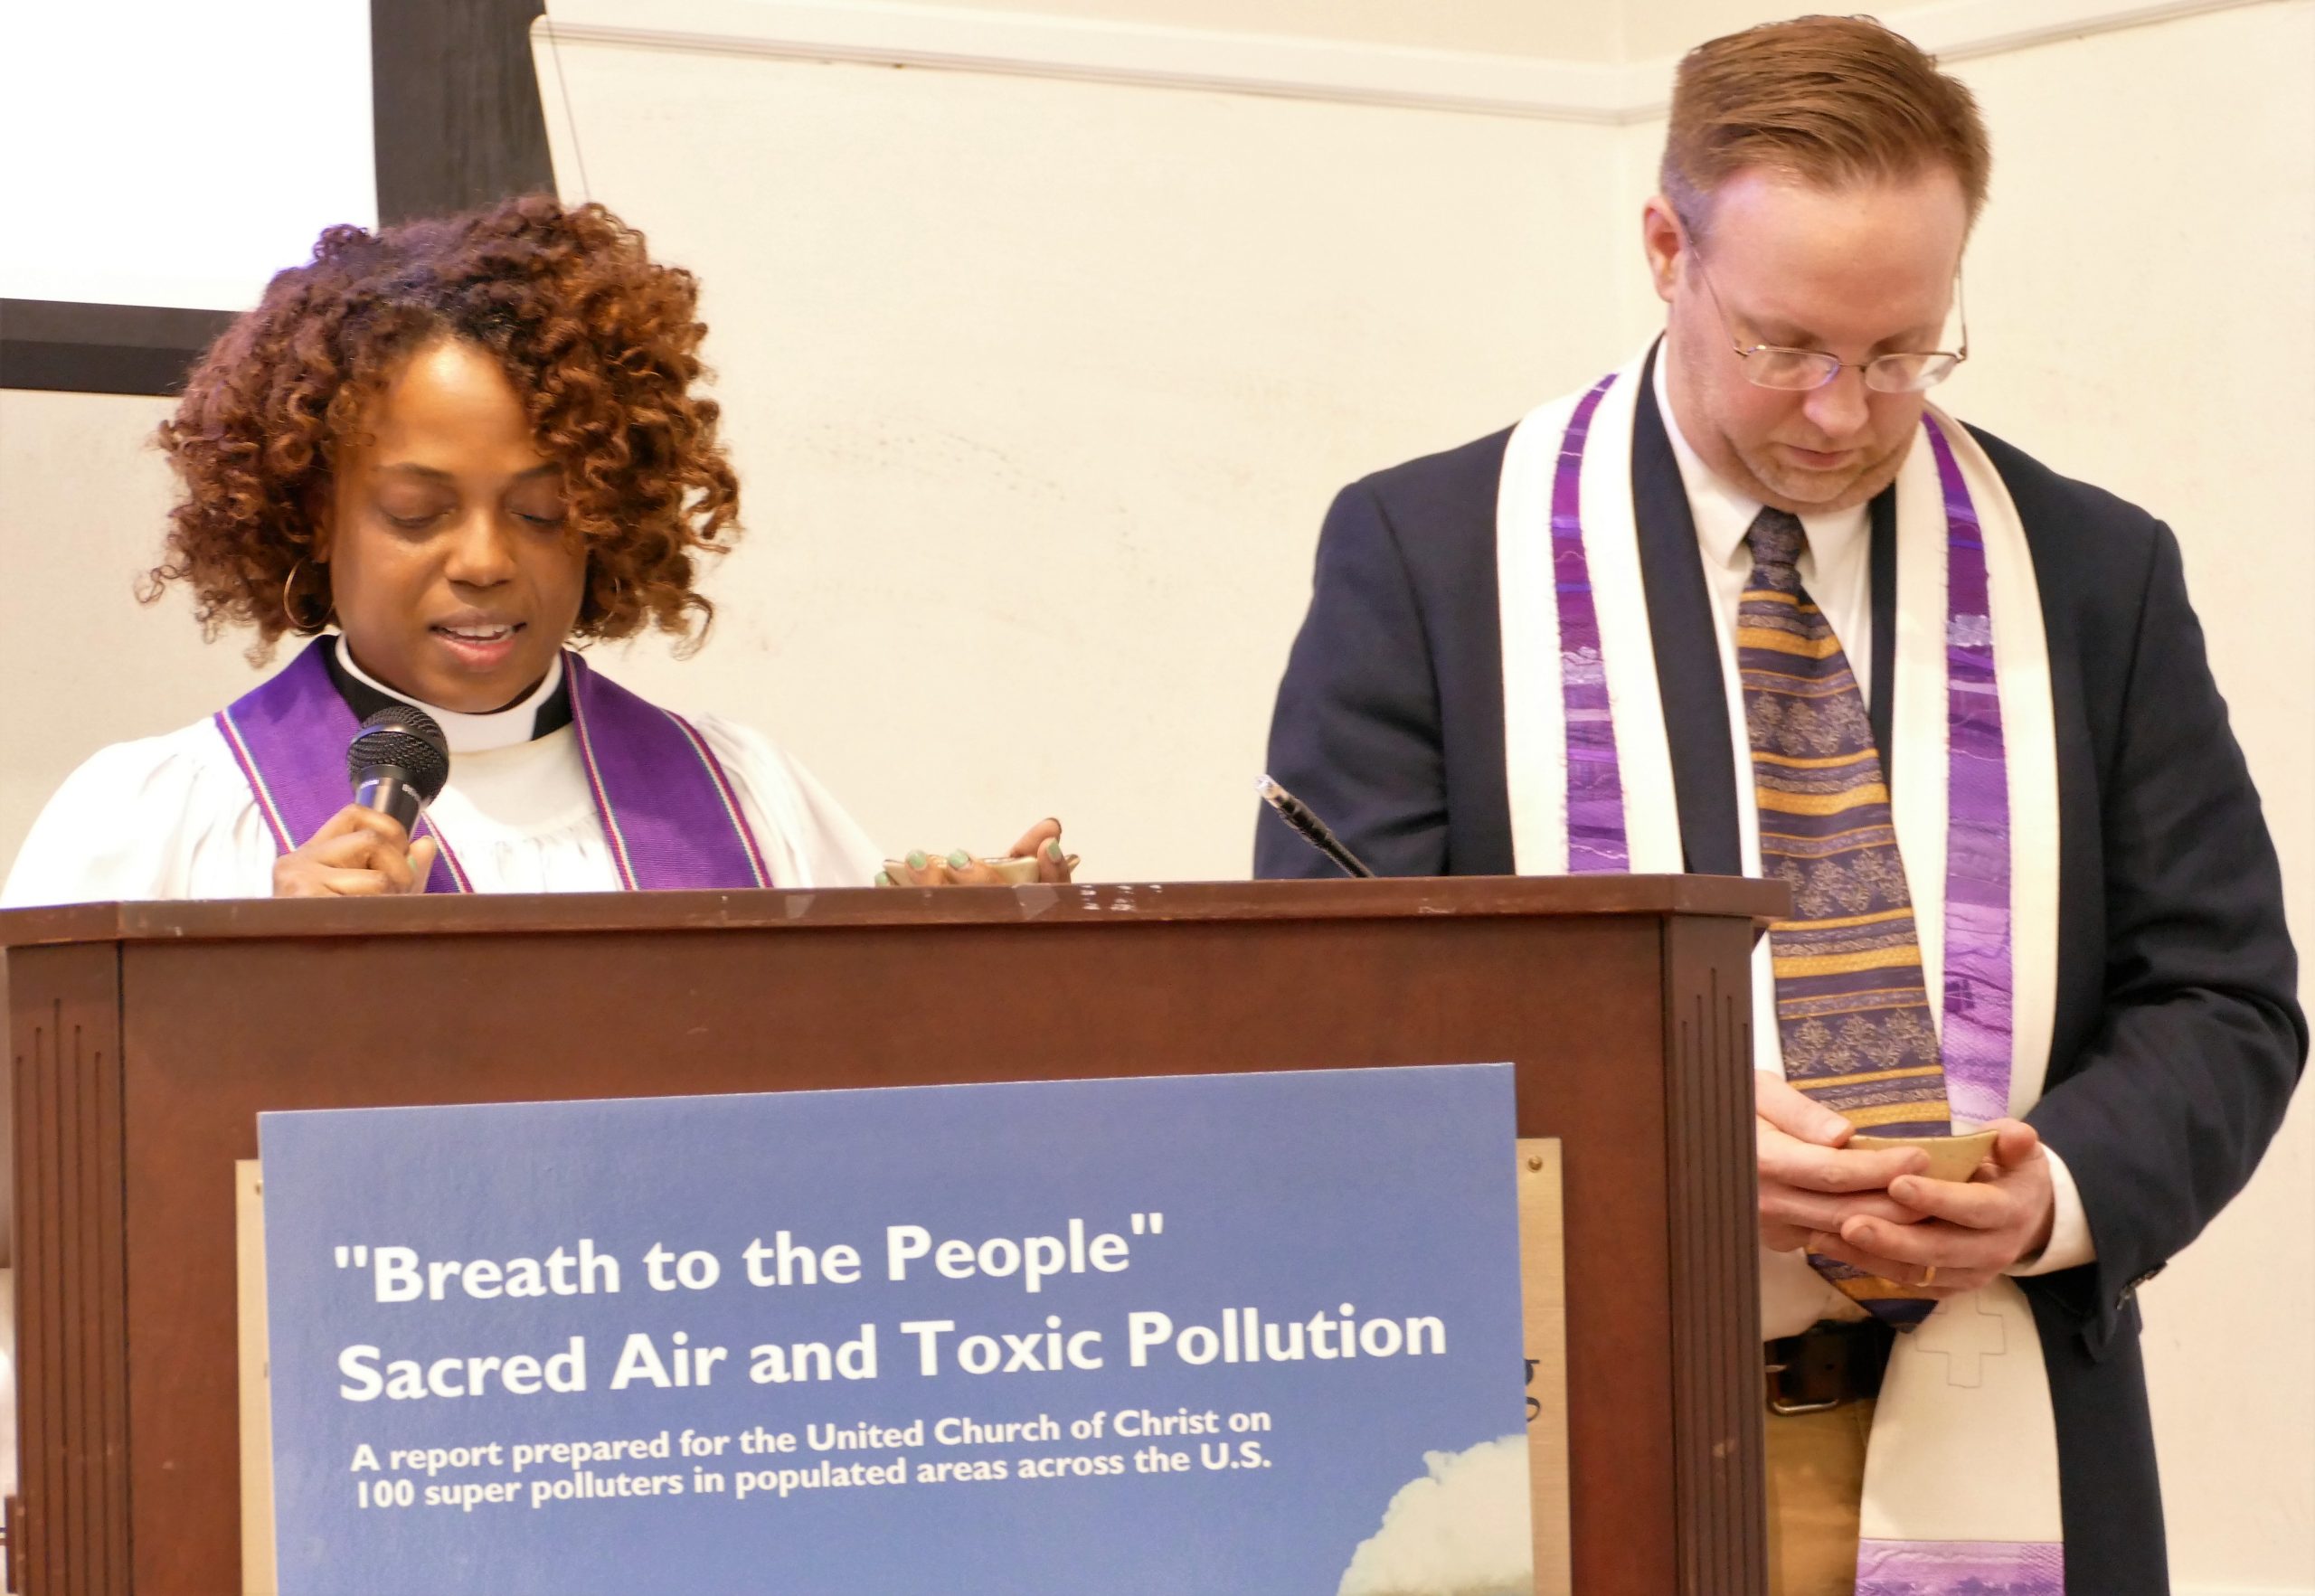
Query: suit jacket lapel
[
  {"x": 1885, "y": 624},
  {"x": 1687, "y": 649}
]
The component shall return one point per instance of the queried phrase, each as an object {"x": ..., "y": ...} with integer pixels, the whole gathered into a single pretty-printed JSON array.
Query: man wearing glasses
[{"x": 1750, "y": 605}]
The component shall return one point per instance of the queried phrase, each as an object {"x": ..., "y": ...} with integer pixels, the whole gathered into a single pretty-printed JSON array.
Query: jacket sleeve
[
  {"x": 1356, "y": 734},
  {"x": 2165, "y": 1113}
]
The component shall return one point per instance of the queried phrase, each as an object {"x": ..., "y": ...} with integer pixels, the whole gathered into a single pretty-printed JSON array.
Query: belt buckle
[{"x": 1784, "y": 1406}]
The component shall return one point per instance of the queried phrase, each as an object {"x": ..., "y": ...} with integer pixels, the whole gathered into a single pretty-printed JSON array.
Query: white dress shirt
[{"x": 1836, "y": 568}]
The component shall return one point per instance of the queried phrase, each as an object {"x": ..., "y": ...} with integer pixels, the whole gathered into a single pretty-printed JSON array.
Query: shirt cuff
[{"x": 2071, "y": 1244}]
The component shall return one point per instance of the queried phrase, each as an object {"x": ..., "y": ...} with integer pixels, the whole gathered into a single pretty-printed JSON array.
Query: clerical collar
[{"x": 545, "y": 709}]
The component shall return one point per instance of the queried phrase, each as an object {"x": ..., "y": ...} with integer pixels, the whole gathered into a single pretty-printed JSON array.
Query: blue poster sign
[{"x": 1251, "y": 1333}]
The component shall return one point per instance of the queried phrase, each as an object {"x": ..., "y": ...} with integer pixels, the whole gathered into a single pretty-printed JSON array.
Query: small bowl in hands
[
  {"x": 1011, "y": 873},
  {"x": 1950, "y": 1157}
]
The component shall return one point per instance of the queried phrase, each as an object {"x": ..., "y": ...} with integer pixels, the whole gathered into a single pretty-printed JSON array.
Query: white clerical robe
[{"x": 172, "y": 817}]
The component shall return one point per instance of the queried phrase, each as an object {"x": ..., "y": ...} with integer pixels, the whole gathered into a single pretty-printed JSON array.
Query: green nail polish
[
  {"x": 959, "y": 859},
  {"x": 1052, "y": 849},
  {"x": 916, "y": 859},
  {"x": 883, "y": 878}
]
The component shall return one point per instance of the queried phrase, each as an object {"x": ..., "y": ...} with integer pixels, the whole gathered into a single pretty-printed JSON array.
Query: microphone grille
[{"x": 406, "y": 737}]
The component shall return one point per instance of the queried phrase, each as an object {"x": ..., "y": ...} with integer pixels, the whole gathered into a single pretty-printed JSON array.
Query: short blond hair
[{"x": 1831, "y": 101}]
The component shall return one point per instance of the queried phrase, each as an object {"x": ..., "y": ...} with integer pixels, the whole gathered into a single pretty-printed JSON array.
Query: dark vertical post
[{"x": 454, "y": 105}]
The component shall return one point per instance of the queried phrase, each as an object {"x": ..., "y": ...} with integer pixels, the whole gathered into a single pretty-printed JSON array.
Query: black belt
[{"x": 1827, "y": 1364}]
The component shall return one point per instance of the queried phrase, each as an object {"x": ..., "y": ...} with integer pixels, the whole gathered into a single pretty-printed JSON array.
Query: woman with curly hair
[{"x": 461, "y": 444}]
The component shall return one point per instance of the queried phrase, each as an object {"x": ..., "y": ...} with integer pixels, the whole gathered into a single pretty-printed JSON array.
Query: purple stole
[
  {"x": 666, "y": 806},
  {"x": 1595, "y": 788}
]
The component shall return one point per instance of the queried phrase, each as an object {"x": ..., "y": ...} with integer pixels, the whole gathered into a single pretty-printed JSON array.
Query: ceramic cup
[{"x": 1950, "y": 1157}]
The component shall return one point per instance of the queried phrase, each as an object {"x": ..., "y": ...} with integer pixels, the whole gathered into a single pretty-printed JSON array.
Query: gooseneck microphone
[
  {"x": 398, "y": 763},
  {"x": 1310, "y": 828}
]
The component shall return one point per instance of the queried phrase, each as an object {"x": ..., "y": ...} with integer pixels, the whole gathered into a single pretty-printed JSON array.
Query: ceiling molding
[{"x": 891, "y": 32}]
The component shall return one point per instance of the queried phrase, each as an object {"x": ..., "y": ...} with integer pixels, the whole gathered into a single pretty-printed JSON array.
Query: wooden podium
[{"x": 146, "y": 1037}]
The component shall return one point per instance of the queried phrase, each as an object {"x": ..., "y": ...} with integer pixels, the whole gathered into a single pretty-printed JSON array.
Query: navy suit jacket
[{"x": 2179, "y": 1036}]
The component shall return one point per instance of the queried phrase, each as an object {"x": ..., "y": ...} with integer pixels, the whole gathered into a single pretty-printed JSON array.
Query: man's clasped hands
[{"x": 1878, "y": 1212}]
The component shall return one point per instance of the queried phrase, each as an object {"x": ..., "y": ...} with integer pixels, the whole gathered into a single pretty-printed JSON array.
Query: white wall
[
  {"x": 82, "y": 495},
  {"x": 1663, "y": 30},
  {"x": 1039, "y": 388},
  {"x": 1513, "y": 27}
]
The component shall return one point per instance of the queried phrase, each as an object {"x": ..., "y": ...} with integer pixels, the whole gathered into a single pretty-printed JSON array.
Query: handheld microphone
[{"x": 398, "y": 763}]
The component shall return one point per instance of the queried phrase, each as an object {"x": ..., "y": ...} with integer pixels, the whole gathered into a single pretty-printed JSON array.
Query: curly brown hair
[{"x": 601, "y": 343}]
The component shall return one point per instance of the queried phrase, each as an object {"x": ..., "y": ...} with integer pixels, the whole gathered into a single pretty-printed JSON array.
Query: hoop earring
[
  {"x": 296, "y": 622},
  {"x": 606, "y": 609}
]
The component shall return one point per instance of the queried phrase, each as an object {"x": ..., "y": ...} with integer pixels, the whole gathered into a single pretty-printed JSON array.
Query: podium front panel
[{"x": 146, "y": 1038}]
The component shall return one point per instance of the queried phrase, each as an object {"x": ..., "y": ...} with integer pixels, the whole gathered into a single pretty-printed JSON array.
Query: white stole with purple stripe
[
  {"x": 666, "y": 806},
  {"x": 1962, "y": 1487}
]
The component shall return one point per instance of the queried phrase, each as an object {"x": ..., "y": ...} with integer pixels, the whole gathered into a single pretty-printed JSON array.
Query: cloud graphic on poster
[{"x": 1461, "y": 1530}]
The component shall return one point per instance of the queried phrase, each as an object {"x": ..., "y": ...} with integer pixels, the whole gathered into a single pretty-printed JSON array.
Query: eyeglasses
[{"x": 1770, "y": 366}]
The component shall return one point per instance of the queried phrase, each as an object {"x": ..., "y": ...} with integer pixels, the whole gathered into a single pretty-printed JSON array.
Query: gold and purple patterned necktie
[{"x": 1852, "y": 1012}]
